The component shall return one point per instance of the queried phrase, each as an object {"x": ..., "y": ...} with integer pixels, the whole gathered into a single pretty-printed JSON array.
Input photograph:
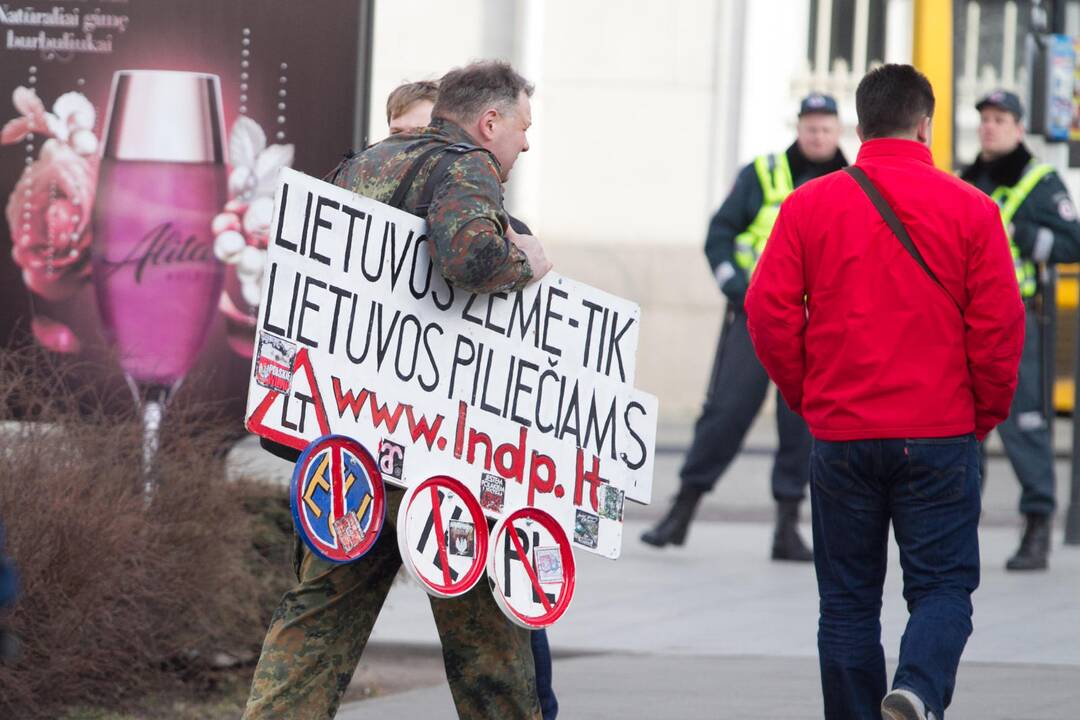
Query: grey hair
[{"x": 467, "y": 92}]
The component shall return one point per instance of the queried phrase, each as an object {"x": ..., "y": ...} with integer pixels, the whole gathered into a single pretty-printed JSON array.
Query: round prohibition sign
[
  {"x": 337, "y": 498},
  {"x": 531, "y": 568},
  {"x": 442, "y": 536}
]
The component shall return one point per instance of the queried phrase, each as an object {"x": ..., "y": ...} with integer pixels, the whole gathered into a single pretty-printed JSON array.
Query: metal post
[
  {"x": 1072, "y": 514},
  {"x": 366, "y": 32}
]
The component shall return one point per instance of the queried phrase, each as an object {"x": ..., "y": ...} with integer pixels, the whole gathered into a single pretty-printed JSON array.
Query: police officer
[
  {"x": 738, "y": 385},
  {"x": 452, "y": 172},
  {"x": 1042, "y": 227}
]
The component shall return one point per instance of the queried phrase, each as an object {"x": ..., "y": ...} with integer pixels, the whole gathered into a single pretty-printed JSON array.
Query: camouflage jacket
[{"x": 466, "y": 220}]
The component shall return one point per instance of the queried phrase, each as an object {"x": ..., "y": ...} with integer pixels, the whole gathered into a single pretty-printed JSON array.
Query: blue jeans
[
  {"x": 929, "y": 490},
  {"x": 549, "y": 706},
  {"x": 9, "y": 578}
]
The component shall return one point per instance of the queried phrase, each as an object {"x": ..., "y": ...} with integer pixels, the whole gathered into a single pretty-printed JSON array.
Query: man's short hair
[
  {"x": 465, "y": 93},
  {"x": 406, "y": 95},
  {"x": 891, "y": 100}
]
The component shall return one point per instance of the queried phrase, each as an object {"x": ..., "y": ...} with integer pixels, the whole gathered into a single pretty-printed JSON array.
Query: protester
[
  {"x": 738, "y": 384},
  {"x": 320, "y": 628},
  {"x": 886, "y": 310},
  {"x": 1041, "y": 222},
  {"x": 408, "y": 106}
]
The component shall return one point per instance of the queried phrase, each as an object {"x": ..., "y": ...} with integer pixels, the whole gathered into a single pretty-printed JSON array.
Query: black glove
[{"x": 735, "y": 287}]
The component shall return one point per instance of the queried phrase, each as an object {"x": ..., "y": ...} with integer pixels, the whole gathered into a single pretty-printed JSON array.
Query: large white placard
[{"x": 527, "y": 398}]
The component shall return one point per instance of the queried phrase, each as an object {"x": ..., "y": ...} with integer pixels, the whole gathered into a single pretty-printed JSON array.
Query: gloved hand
[{"x": 735, "y": 289}]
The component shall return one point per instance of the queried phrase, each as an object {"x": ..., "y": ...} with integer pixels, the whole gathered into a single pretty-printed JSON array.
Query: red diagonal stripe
[
  {"x": 440, "y": 538},
  {"x": 528, "y": 567},
  {"x": 337, "y": 482}
]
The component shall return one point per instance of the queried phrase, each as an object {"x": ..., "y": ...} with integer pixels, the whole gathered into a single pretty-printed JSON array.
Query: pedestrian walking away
[
  {"x": 1041, "y": 223},
  {"x": 886, "y": 310},
  {"x": 738, "y": 384}
]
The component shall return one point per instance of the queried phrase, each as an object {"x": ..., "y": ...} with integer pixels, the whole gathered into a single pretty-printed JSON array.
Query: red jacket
[{"x": 858, "y": 338}]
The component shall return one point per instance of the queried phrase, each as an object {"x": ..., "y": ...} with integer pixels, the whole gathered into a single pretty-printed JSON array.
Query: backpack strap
[
  {"x": 398, "y": 198},
  {"x": 453, "y": 152}
]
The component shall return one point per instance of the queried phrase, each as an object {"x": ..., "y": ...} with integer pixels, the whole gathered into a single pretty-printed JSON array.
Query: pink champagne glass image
[{"x": 162, "y": 180}]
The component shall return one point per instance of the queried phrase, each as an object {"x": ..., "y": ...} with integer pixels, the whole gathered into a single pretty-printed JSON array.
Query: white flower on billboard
[
  {"x": 71, "y": 120},
  {"x": 48, "y": 210},
  {"x": 255, "y": 165},
  {"x": 240, "y": 230}
]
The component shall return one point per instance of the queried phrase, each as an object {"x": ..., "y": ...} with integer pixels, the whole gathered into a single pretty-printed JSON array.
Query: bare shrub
[{"x": 121, "y": 597}]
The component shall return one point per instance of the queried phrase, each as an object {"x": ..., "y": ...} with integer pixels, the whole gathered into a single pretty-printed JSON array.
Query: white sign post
[{"x": 526, "y": 398}]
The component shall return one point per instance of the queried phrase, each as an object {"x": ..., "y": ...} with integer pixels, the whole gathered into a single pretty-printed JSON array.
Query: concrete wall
[{"x": 642, "y": 114}]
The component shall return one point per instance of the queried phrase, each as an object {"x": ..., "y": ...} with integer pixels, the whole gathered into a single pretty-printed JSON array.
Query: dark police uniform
[
  {"x": 738, "y": 384},
  {"x": 1042, "y": 225}
]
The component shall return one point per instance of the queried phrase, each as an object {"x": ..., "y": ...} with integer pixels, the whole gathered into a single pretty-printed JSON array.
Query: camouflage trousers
[{"x": 321, "y": 626}]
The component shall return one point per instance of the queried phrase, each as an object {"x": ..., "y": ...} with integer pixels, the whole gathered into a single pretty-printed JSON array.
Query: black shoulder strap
[
  {"x": 398, "y": 198},
  {"x": 450, "y": 153},
  {"x": 453, "y": 152},
  {"x": 897, "y": 227}
]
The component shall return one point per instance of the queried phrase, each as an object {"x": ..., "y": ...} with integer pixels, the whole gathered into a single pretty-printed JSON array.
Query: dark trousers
[
  {"x": 549, "y": 705},
  {"x": 929, "y": 490},
  {"x": 1026, "y": 432},
  {"x": 737, "y": 390}
]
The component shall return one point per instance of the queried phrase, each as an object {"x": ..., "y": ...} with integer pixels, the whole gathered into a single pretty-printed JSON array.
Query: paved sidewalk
[
  {"x": 715, "y": 630},
  {"x": 629, "y": 687}
]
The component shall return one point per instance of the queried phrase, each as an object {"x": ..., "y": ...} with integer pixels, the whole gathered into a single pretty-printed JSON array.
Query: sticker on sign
[{"x": 531, "y": 568}]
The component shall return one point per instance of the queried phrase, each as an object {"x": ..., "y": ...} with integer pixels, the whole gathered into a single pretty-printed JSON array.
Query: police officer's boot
[
  {"x": 1034, "y": 545},
  {"x": 787, "y": 545},
  {"x": 672, "y": 529}
]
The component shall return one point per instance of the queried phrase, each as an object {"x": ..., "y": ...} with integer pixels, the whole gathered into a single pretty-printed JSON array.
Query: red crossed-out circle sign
[
  {"x": 442, "y": 536},
  {"x": 337, "y": 498},
  {"x": 531, "y": 568}
]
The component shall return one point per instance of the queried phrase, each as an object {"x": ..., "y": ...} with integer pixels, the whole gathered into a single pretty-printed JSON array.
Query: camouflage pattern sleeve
[{"x": 467, "y": 229}]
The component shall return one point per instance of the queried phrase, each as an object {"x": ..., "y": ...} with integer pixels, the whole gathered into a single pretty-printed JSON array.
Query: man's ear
[
  {"x": 858, "y": 131},
  {"x": 924, "y": 130},
  {"x": 486, "y": 123}
]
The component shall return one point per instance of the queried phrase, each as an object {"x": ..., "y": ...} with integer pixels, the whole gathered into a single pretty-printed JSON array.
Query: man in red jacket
[{"x": 899, "y": 358}]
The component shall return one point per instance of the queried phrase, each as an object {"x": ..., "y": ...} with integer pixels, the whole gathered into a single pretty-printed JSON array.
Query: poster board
[{"x": 533, "y": 387}]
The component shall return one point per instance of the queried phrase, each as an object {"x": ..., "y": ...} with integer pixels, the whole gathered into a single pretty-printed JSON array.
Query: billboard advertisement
[{"x": 140, "y": 143}]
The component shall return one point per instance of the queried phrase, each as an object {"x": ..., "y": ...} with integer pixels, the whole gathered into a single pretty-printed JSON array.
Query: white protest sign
[
  {"x": 531, "y": 568},
  {"x": 533, "y": 387},
  {"x": 442, "y": 536}
]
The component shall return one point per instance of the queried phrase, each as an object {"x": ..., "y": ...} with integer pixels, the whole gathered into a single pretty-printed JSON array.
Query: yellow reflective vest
[
  {"x": 774, "y": 174},
  {"x": 1009, "y": 199}
]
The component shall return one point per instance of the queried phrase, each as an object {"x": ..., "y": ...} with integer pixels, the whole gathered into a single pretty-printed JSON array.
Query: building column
[
  {"x": 898, "y": 31},
  {"x": 933, "y": 54}
]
